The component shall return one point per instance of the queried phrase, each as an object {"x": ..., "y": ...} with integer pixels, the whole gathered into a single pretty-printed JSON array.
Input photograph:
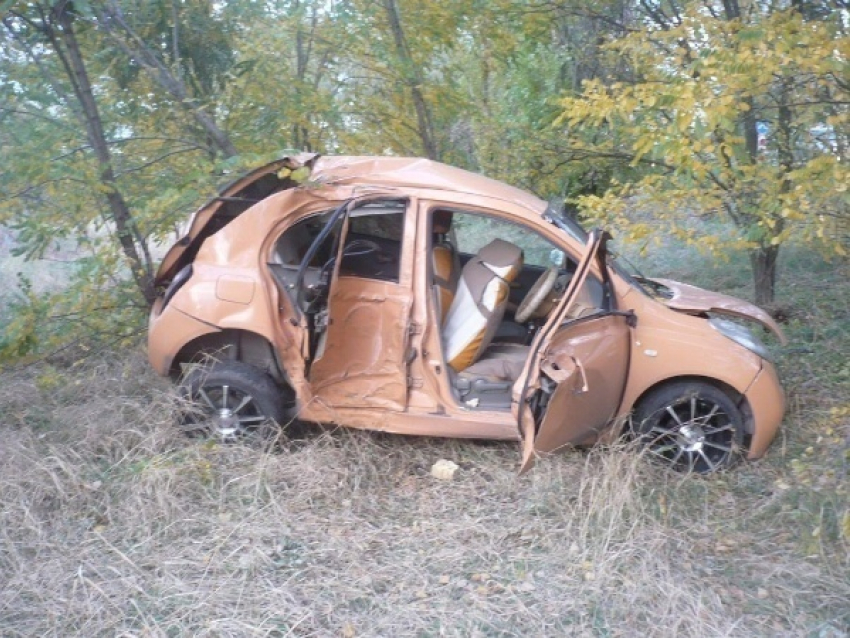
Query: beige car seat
[{"x": 479, "y": 304}]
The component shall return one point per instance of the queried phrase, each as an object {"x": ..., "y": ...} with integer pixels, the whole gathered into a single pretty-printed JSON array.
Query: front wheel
[
  {"x": 233, "y": 401},
  {"x": 692, "y": 426}
]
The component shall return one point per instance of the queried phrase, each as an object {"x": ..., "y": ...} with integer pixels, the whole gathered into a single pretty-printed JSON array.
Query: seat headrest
[
  {"x": 442, "y": 221},
  {"x": 502, "y": 255}
]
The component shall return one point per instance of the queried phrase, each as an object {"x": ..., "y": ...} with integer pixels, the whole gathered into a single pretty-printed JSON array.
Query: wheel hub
[
  {"x": 228, "y": 423},
  {"x": 690, "y": 438}
]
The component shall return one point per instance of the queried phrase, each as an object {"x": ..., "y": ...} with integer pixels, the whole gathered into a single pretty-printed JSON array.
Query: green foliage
[
  {"x": 192, "y": 37},
  {"x": 117, "y": 177},
  {"x": 659, "y": 117},
  {"x": 99, "y": 308},
  {"x": 705, "y": 87}
]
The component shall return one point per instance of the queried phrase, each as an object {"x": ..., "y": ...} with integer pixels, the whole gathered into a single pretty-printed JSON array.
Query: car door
[
  {"x": 576, "y": 373},
  {"x": 359, "y": 354}
]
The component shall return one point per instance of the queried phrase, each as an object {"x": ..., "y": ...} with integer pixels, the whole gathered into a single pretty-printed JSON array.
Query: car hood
[
  {"x": 231, "y": 201},
  {"x": 691, "y": 299}
]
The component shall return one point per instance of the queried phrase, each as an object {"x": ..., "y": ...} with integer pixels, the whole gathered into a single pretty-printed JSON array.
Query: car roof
[
  {"x": 275, "y": 177},
  {"x": 413, "y": 172}
]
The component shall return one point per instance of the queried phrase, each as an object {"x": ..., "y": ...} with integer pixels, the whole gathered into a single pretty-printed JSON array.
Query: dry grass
[{"x": 112, "y": 524}]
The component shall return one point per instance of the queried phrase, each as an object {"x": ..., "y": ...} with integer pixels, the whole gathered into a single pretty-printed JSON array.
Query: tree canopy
[
  {"x": 118, "y": 118},
  {"x": 739, "y": 112}
]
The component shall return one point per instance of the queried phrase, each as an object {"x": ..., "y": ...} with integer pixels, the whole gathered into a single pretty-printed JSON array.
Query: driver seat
[
  {"x": 479, "y": 304},
  {"x": 445, "y": 263}
]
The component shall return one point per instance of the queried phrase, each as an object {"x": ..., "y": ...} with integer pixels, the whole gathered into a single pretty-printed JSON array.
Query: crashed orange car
[{"x": 403, "y": 295}]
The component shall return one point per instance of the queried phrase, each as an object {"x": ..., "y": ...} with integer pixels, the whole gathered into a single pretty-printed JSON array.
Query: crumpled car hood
[
  {"x": 231, "y": 201},
  {"x": 691, "y": 299}
]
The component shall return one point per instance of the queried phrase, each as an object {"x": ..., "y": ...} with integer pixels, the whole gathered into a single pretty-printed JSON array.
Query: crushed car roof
[
  {"x": 385, "y": 172},
  {"x": 416, "y": 173}
]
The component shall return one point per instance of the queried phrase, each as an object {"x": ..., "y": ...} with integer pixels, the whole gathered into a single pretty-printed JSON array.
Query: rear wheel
[
  {"x": 233, "y": 401},
  {"x": 692, "y": 426}
]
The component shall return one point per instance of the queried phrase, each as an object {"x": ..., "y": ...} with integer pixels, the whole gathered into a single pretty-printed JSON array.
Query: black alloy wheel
[{"x": 691, "y": 426}]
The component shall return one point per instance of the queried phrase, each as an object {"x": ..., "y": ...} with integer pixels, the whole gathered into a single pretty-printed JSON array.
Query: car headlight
[{"x": 741, "y": 335}]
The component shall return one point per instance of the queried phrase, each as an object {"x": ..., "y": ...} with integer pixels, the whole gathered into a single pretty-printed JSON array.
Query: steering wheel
[{"x": 539, "y": 291}]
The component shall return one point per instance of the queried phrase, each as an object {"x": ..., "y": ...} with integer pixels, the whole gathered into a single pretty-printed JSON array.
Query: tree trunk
[
  {"x": 128, "y": 234},
  {"x": 414, "y": 80},
  {"x": 763, "y": 261}
]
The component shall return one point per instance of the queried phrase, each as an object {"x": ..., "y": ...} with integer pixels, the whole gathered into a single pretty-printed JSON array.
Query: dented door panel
[
  {"x": 592, "y": 357},
  {"x": 362, "y": 360},
  {"x": 529, "y": 381},
  {"x": 575, "y": 377},
  {"x": 360, "y": 340}
]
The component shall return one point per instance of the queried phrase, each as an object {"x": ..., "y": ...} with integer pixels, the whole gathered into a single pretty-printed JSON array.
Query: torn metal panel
[
  {"x": 687, "y": 298},
  {"x": 362, "y": 359},
  {"x": 230, "y": 202},
  {"x": 590, "y": 360}
]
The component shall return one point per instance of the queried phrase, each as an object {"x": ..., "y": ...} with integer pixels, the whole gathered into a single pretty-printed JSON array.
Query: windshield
[{"x": 565, "y": 217}]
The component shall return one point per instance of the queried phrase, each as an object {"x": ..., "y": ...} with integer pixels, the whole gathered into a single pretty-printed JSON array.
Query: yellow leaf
[{"x": 300, "y": 174}]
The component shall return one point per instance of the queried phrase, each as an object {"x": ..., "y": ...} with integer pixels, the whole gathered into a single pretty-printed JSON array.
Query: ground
[{"x": 114, "y": 524}]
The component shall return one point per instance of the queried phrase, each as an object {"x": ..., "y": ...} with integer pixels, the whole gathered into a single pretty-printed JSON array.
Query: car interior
[
  {"x": 493, "y": 284},
  {"x": 372, "y": 250},
  {"x": 490, "y": 321}
]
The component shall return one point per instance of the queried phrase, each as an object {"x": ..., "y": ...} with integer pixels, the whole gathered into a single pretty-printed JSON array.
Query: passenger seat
[{"x": 479, "y": 304}]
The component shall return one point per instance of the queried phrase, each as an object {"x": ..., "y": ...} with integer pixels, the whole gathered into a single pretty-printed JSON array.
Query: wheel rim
[
  {"x": 230, "y": 414},
  {"x": 693, "y": 433}
]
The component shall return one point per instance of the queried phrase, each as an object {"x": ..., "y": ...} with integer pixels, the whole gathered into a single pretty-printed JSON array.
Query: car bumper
[
  {"x": 169, "y": 330},
  {"x": 767, "y": 405}
]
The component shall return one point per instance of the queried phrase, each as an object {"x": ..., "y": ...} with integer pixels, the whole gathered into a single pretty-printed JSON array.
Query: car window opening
[
  {"x": 372, "y": 250},
  {"x": 493, "y": 284},
  {"x": 373, "y": 242}
]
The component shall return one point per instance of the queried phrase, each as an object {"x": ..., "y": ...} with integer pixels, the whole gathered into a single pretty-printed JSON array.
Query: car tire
[
  {"x": 232, "y": 401},
  {"x": 691, "y": 426}
]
